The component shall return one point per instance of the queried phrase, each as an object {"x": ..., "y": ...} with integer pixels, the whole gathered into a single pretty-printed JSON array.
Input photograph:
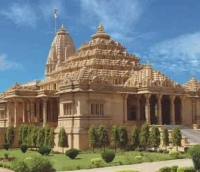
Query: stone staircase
[{"x": 192, "y": 135}]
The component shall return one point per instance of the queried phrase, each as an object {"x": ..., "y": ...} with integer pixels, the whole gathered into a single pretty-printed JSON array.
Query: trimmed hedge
[
  {"x": 44, "y": 150},
  {"x": 186, "y": 169},
  {"x": 165, "y": 169},
  {"x": 6, "y": 146},
  {"x": 72, "y": 153},
  {"x": 108, "y": 156},
  {"x": 23, "y": 148}
]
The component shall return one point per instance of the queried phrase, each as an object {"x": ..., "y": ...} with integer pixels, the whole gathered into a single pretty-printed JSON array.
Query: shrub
[
  {"x": 174, "y": 168},
  {"x": 138, "y": 159},
  {"x": 174, "y": 154},
  {"x": 108, "y": 156},
  {"x": 165, "y": 169},
  {"x": 186, "y": 149},
  {"x": 39, "y": 163},
  {"x": 6, "y": 155},
  {"x": 72, "y": 153},
  {"x": 96, "y": 162},
  {"x": 6, "y": 146},
  {"x": 186, "y": 169},
  {"x": 195, "y": 153},
  {"x": 44, "y": 150},
  {"x": 19, "y": 166},
  {"x": 23, "y": 148},
  {"x": 124, "y": 170},
  {"x": 144, "y": 136}
]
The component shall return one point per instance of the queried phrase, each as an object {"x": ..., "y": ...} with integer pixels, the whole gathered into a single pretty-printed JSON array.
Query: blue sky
[{"x": 167, "y": 33}]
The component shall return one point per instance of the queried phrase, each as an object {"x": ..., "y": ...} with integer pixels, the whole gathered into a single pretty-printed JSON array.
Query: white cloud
[
  {"x": 181, "y": 54},
  {"x": 21, "y": 14},
  {"x": 118, "y": 17},
  {"x": 29, "y": 14},
  {"x": 6, "y": 64}
]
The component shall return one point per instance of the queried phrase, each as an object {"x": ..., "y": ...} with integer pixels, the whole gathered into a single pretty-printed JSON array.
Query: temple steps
[{"x": 192, "y": 135}]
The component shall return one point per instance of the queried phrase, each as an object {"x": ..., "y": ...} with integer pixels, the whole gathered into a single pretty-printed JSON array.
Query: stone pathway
[
  {"x": 144, "y": 167},
  {"x": 5, "y": 170}
]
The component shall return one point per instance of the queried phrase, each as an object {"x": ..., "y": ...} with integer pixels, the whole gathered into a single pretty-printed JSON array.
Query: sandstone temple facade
[{"x": 99, "y": 83}]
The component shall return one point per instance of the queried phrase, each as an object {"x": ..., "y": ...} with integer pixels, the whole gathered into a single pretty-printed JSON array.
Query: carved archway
[
  {"x": 177, "y": 109},
  {"x": 165, "y": 110}
]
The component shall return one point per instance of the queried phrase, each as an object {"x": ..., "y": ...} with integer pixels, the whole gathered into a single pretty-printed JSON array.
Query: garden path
[
  {"x": 5, "y": 170},
  {"x": 144, "y": 167}
]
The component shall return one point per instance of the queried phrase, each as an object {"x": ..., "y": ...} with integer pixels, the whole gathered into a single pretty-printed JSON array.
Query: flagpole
[{"x": 55, "y": 18}]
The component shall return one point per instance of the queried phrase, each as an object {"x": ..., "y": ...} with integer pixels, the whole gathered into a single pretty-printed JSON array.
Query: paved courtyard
[{"x": 144, "y": 167}]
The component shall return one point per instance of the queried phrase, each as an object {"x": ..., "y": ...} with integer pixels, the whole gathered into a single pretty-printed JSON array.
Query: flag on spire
[{"x": 55, "y": 13}]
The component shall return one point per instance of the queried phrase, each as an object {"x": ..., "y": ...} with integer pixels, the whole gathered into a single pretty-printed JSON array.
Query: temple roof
[
  {"x": 62, "y": 47},
  {"x": 192, "y": 85},
  {"x": 150, "y": 77}
]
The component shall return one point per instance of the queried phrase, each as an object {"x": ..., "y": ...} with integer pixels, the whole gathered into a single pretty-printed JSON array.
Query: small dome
[
  {"x": 100, "y": 33},
  {"x": 61, "y": 48}
]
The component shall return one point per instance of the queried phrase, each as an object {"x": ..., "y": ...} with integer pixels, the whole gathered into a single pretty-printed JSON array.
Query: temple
[{"x": 99, "y": 83}]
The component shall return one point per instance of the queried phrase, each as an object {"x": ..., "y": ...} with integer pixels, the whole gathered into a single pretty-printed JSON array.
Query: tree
[
  {"x": 165, "y": 137},
  {"x": 10, "y": 135},
  {"x": 62, "y": 139},
  {"x": 40, "y": 137},
  {"x": 29, "y": 135},
  {"x": 134, "y": 137},
  {"x": 115, "y": 136},
  {"x": 155, "y": 137},
  {"x": 144, "y": 135},
  {"x": 46, "y": 137},
  {"x": 103, "y": 139},
  {"x": 123, "y": 137},
  {"x": 93, "y": 137},
  {"x": 51, "y": 138},
  {"x": 176, "y": 137},
  {"x": 34, "y": 136}
]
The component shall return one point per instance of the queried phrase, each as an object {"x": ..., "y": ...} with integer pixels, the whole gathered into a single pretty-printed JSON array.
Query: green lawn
[{"x": 83, "y": 160}]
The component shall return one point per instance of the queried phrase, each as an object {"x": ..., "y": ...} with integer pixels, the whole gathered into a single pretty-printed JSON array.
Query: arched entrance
[
  {"x": 153, "y": 109},
  {"x": 165, "y": 110},
  {"x": 177, "y": 106}
]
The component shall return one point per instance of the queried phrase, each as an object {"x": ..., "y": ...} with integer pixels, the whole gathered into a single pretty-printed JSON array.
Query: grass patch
[{"x": 83, "y": 160}]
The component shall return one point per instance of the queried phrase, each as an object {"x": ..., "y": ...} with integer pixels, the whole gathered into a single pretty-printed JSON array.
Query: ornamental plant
[
  {"x": 165, "y": 137},
  {"x": 62, "y": 139},
  {"x": 176, "y": 137},
  {"x": 93, "y": 137},
  {"x": 10, "y": 135},
  {"x": 154, "y": 137},
  {"x": 115, "y": 136},
  {"x": 144, "y": 136},
  {"x": 103, "y": 139},
  {"x": 134, "y": 138},
  {"x": 123, "y": 137},
  {"x": 108, "y": 156},
  {"x": 72, "y": 153}
]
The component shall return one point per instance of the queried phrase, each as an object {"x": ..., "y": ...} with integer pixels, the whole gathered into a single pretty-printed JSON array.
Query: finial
[
  {"x": 148, "y": 63},
  {"x": 100, "y": 28},
  {"x": 62, "y": 27}
]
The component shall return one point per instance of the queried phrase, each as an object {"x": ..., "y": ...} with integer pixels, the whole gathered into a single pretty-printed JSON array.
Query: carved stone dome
[{"x": 61, "y": 48}]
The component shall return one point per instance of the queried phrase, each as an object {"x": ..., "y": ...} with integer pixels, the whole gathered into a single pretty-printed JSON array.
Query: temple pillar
[
  {"x": 38, "y": 111},
  {"x": 159, "y": 98},
  {"x": 51, "y": 111},
  {"x": 182, "y": 111},
  {"x": 172, "y": 111},
  {"x": 8, "y": 113},
  {"x": 32, "y": 118},
  {"x": 24, "y": 111},
  {"x": 15, "y": 112},
  {"x": 58, "y": 104},
  {"x": 138, "y": 108},
  {"x": 125, "y": 96},
  {"x": 44, "y": 111},
  {"x": 147, "y": 108}
]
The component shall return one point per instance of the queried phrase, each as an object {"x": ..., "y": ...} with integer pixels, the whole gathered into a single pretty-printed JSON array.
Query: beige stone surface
[{"x": 99, "y": 83}]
